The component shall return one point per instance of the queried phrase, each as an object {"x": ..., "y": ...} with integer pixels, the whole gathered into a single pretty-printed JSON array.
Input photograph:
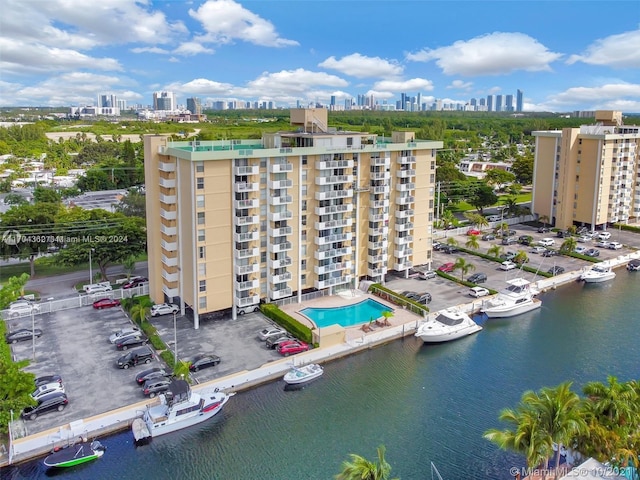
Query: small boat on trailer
[
  {"x": 299, "y": 375},
  {"x": 75, "y": 454}
]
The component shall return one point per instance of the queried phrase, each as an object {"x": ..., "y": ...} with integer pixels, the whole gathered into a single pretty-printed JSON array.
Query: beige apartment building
[
  {"x": 588, "y": 175},
  {"x": 232, "y": 223}
]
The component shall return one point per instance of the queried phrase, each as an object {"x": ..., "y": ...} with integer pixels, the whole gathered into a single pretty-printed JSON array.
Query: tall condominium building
[
  {"x": 164, "y": 101},
  {"x": 519, "y": 100},
  {"x": 508, "y": 103},
  {"x": 234, "y": 222},
  {"x": 490, "y": 103},
  {"x": 499, "y": 107},
  {"x": 194, "y": 105},
  {"x": 588, "y": 175}
]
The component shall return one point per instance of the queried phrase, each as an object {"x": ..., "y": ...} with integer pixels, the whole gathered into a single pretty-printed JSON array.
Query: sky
[{"x": 564, "y": 55}]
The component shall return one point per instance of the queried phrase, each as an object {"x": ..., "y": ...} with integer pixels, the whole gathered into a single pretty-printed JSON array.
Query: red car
[
  {"x": 291, "y": 348},
  {"x": 106, "y": 303},
  {"x": 446, "y": 267},
  {"x": 473, "y": 231},
  {"x": 135, "y": 282}
]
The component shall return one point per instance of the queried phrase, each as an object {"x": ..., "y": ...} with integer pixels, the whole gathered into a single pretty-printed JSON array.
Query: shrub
[
  {"x": 286, "y": 321},
  {"x": 167, "y": 356},
  {"x": 397, "y": 299},
  {"x": 157, "y": 342}
]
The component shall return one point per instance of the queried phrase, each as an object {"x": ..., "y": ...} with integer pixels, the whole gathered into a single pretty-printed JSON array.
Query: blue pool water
[{"x": 346, "y": 316}]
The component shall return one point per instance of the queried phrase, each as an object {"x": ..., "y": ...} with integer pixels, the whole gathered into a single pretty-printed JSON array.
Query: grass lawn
[{"x": 465, "y": 207}]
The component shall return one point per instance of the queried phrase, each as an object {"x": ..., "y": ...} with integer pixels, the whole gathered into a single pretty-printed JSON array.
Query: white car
[
  {"x": 164, "y": 309},
  {"x": 23, "y": 307},
  {"x": 581, "y": 250},
  {"x": 584, "y": 238},
  {"x": 602, "y": 244},
  {"x": 546, "y": 242},
  {"x": 47, "y": 389},
  {"x": 97, "y": 287},
  {"x": 270, "y": 332},
  {"x": 478, "y": 292},
  {"x": 614, "y": 245},
  {"x": 508, "y": 265},
  {"x": 604, "y": 235},
  {"x": 427, "y": 275},
  {"x": 123, "y": 332},
  {"x": 538, "y": 249}
]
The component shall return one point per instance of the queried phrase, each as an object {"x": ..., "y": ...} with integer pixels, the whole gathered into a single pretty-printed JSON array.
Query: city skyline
[{"x": 300, "y": 53}]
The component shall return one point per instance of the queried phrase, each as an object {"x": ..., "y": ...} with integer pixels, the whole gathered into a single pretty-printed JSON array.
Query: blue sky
[{"x": 572, "y": 55}]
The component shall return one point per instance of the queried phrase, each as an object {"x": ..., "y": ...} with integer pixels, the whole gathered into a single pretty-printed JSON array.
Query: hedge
[
  {"x": 499, "y": 260},
  {"x": 461, "y": 282},
  {"x": 627, "y": 228},
  {"x": 398, "y": 299},
  {"x": 286, "y": 321}
]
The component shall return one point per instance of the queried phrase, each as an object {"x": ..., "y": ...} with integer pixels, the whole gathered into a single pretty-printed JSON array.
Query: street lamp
[
  {"x": 33, "y": 333},
  {"x": 90, "y": 271},
  {"x": 175, "y": 341}
]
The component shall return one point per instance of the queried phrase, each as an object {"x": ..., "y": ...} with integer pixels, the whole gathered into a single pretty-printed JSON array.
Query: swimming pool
[{"x": 346, "y": 316}]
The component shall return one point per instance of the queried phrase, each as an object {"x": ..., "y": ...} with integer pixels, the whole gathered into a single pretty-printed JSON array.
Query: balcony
[
  {"x": 170, "y": 292},
  {"x": 248, "y": 301},
  {"x": 168, "y": 214},
  {"x": 381, "y": 161},
  {"x": 169, "y": 261},
  {"x": 281, "y": 200},
  {"x": 247, "y": 269},
  {"x": 405, "y": 187},
  {"x": 405, "y": 213},
  {"x": 334, "y": 194},
  {"x": 405, "y": 173},
  {"x": 403, "y": 253},
  {"x": 334, "y": 164},
  {"x": 376, "y": 272},
  {"x": 377, "y": 231},
  {"x": 169, "y": 277},
  {"x": 167, "y": 167},
  {"x": 248, "y": 285},
  {"x": 348, "y": 207},
  {"x": 405, "y": 199},
  {"x": 167, "y": 182},
  {"x": 406, "y": 160},
  {"x": 247, "y": 220},
  {"x": 332, "y": 267},
  {"x": 376, "y": 258},
  {"x": 339, "y": 237},
  {"x": 283, "y": 277},
  {"x": 378, "y": 245},
  {"x": 280, "y": 247},
  {"x": 333, "y": 179},
  {"x": 279, "y": 232},
  {"x": 246, "y": 187},
  {"x": 378, "y": 217},
  {"x": 278, "y": 184},
  {"x": 169, "y": 246},
  {"x": 279, "y": 216},
  {"x": 168, "y": 230},
  {"x": 406, "y": 240},
  {"x": 248, "y": 203},
  {"x": 335, "y": 252},
  {"x": 345, "y": 222},
  {"x": 380, "y": 175},
  {"x": 248, "y": 253},
  {"x": 282, "y": 293},
  {"x": 331, "y": 282},
  {"x": 168, "y": 199},
  {"x": 379, "y": 203},
  {"x": 282, "y": 262},
  {"x": 246, "y": 170},
  {"x": 402, "y": 266},
  {"x": 247, "y": 236},
  {"x": 280, "y": 167},
  {"x": 383, "y": 189}
]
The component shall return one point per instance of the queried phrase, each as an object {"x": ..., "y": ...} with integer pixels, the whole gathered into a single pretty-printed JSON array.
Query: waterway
[{"x": 425, "y": 403}]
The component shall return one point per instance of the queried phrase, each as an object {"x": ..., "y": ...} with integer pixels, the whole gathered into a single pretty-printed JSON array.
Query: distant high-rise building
[
  {"x": 419, "y": 101},
  {"x": 122, "y": 105},
  {"x": 498, "y": 103},
  {"x": 194, "y": 105},
  {"x": 333, "y": 101},
  {"x": 107, "y": 101},
  {"x": 508, "y": 103},
  {"x": 489, "y": 103},
  {"x": 164, "y": 101},
  {"x": 519, "y": 100},
  {"x": 482, "y": 102}
]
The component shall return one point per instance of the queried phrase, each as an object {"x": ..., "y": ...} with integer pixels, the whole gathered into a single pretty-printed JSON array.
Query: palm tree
[
  {"x": 476, "y": 219},
  {"x": 472, "y": 242},
  {"x": 615, "y": 402},
  {"x": 569, "y": 245},
  {"x": 504, "y": 226},
  {"x": 511, "y": 204},
  {"x": 140, "y": 311},
  {"x": 452, "y": 241},
  {"x": 447, "y": 219},
  {"x": 544, "y": 219},
  {"x": 495, "y": 251},
  {"x": 359, "y": 468},
  {"x": 129, "y": 265},
  {"x": 464, "y": 267},
  {"x": 521, "y": 257}
]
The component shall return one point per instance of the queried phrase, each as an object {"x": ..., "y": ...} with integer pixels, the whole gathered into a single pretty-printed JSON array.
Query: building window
[
  {"x": 201, "y": 235},
  {"x": 304, "y": 190},
  {"x": 303, "y": 265},
  {"x": 263, "y": 163},
  {"x": 304, "y": 205},
  {"x": 303, "y": 236},
  {"x": 303, "y": 279},
  {"x": 200, "y": 183},
  {"x": 202, "y": 285},
  {"x": 202, "y": 269},
  {"x": 201, "y": 253},
  {"x": 200, "y": 167},
  {"x": 200, "y": 201},
  {"x": 202, "y": 303},
  {"x": 304, "y": 220},
  {"x": 200, "y": 218},
  {"x": 304, "y": 159},
  {"x": 304, "y": 175}
]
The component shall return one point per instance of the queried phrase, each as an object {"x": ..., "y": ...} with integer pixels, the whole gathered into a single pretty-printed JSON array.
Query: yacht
[
  {"x": 517, "y": 298},
  {"x": 449, "y": 324},
  {"x": 600, "y": 272}
]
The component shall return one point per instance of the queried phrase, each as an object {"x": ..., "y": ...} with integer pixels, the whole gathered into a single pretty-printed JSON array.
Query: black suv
[
  {"x": 154, "y": 386},
  {"x": 48, "y": 403},
  {"x": 525, "y": 239},
  {"x": 135, "y": 357},
  {"x": 477, "y": 278}
]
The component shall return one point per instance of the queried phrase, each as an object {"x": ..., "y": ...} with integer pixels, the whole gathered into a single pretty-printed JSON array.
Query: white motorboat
[
  {"x": 600, "y": 272},
  {"x": 306, "y": 373},
  {"x": 449, "y": 324},
  {"x": 180, "y": 408},
  {"x": 517, "y": 298}
]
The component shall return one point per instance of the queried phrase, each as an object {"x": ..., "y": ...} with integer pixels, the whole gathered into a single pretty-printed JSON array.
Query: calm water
[
  {"x": 424, "y": 402},
  {"x": 354, "y": 314}
]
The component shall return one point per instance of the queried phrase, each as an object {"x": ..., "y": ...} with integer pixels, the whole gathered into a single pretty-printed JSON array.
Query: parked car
[
  {"x": 538, "y": 249},
  {"x": 477, "y": 278},
  {"x": 602, "y": 244},
  {"x": 546, "y": 242},
  {"x": 203, "y": 361},
  {"x": 581, "y": 250},
  {"x": 509, "y": 240},
  {"x": 46, "y": 389},
  {"x": 56, "y": 401},
  {"x": 493, "y": 218},
  {"x": 411, "y": 295},
  {"x": 562, "y": 234},
  {"x": 123, "y": 332},
  {"x": 424, "y": 299},
  {"x": 164, "y": 309},
  {"x": 97, "y": 288},
  {"x": 135, "y": 282},
  {"x": 270, "y": 332},
  {"x": 556, "y": 270},
  {"x": 478, "y": 292},
  {"x": 582, "y": 230},
  {"x": 584, "y": 238},
  {"x": 614, "y": 246},
  {"x": 488, "y": 236},
  {"x": 604, "y": 235},
  {"x": 154, "y": 386},
  {"x": 427, "y": 275},
  {"x": 508, "y": 255},
  {"x": 508, "y": 265},
  {"x": 446, "y": 267},
  {"x": 125, "y": 343},
  {"x": 22, "y": 334},
  {"x": 473, "y": 231},
  {"x": 544, "y": 229},
  {"x": 273, "y": 342},
  {"x": 291, "y": 348},
  {"x": 633, "y": 265},
  {"x": 593, "y": 252},
  {"x": 44, "y": 379},
  {"x": 22, "y": 308},
  {"x": 150, "y": 373},
  {"x": 449, "y": 249},
  {"x": 135, "y": 357},
  {"x": 525, "y": 239},
  {"x": 549, "y": 253},
  {"x": 437, "y": 245},
  {"x": 106, "y": 303}
]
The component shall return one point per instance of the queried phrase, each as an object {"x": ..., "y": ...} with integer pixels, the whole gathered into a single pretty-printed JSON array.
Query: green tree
[
  {"x": 15, "y": 388},
  {"x": 452, "y": 242},
  {"x": 511, "y": 205},
  {"x": 141, "y": 309},
  {"x": 448, "y": 172},
  {"x": 476, "y": 219},
  {"x": 522, "y": 167},
  {"x": 569, "y": 245},
  {"x": 15, "y": 199},
  {"x": 472, "y": 242},
  {"x": 521, "y": 257},
  {"x": 11, "y": 290},
  {"x": 46, "y": 195},
  {"x": 133, "y": 204},
  {"x": 448, "y": 219},
  {"x": 95, "y": 180},
  {"x": 129, "y": 266},
  {"x": 616, "y": 402},
  {"x": 359, "y": 468},
  {"x": 495, "y": 251},
  {"x": 544, "y": 219},
  {"x": 464, "y": 267},
  {"x": 483, "y": 197},
  {"x": 497, "y": 178}
]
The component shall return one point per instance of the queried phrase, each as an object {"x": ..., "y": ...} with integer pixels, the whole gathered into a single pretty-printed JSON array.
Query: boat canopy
[{"x": 179, "y": 390}]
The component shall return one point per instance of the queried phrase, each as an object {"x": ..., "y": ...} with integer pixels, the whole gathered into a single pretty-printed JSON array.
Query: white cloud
[
  {"x": 381, "y": 94},
  {"x": 412, "y": 85},
  {"x": 622, "y": 50},
  {"x": 614, "y": 96},
  {"x": 460, "y": 85},
  {"x": 491, "y": 54},
  {"x": 157, "y": 50},
  {"x": 493, "y": 90},
  {"x": 203, "y": 86},
  {"x": 225, "y": 21},
  {"x": 361, "y": 66},
  {"x": 291, "y": 82},
  {"x": 192, "y": 48}
]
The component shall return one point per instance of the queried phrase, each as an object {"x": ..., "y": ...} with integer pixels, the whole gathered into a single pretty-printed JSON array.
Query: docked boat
[
  {"x": 517, "y": 298},
  {"x": 179, "y": 408},
  {"x": 75, "y": 454},
  {"x": 449, "y": 324},
  {"x": 306, "y": 373},
  {"x": 598, "y": 273}
]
